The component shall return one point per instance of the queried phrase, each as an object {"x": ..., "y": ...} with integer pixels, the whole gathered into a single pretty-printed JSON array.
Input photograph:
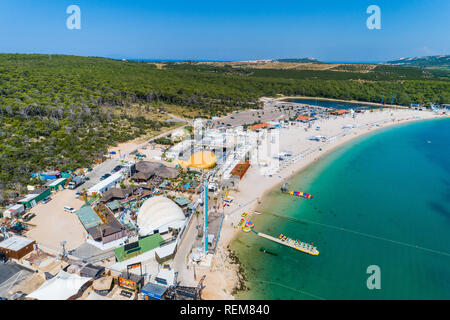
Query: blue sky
[{"x": 227, "y": 30}]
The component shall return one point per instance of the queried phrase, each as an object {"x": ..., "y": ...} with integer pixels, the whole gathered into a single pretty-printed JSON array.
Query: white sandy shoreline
[{"x": 253, "y": 187}]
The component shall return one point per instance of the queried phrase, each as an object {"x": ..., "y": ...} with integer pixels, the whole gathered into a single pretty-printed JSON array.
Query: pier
[{"x": 303, "y": 247}]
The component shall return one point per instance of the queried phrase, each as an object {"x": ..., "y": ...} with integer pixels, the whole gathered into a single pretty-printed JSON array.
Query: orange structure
[
  {"x": 340, "y": 112},
  {"x": 240, "y": 169},
  {"x": 259, "y": 126},
  {"x": 303, "y": 118}
]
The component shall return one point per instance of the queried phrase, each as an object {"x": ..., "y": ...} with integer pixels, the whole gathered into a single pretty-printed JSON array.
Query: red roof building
[
  {"x": 340, "y": 112},
  {"x": 259, "y": 126},
  {"x": 303, "y": 118}
]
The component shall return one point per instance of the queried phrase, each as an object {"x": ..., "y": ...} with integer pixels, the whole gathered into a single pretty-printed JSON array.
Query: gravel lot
[
  {"x": 53, "y": 224},
  {"x": 251, "y": 116}
]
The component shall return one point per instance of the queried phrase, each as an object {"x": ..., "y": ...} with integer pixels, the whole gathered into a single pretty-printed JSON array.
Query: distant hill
[
  {"x": 298, "y": 60},
  {"x": 423, "y": 62}
]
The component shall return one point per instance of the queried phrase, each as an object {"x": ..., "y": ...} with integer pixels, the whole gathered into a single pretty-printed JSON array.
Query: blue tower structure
[{"x": 205, "y": 227}]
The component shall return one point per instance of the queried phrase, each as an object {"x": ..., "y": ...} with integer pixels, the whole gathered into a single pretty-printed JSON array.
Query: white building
[
  {"x": 106, "y": 184},
  {"x": 179, "y": 148},
  {"x": 61, "y": 287},
  {"x": 158, "y": 214},
  {"x": 13, "y": 211}
]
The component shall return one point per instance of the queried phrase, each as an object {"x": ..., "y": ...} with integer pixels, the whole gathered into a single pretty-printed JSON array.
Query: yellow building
[{"x": 199, "y": 160}]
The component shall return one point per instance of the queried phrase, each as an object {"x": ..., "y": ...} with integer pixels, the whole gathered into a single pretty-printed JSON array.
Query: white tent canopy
[
  {"x": 61, "y": 287},
  {"x": 159, "y": 213}
]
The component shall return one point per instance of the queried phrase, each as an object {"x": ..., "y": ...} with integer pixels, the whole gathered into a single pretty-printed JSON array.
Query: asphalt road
[{"x": 106, "y": 167}]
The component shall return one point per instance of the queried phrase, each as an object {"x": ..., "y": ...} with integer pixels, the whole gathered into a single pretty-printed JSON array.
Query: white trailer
[{"x": 13, "y": 211}]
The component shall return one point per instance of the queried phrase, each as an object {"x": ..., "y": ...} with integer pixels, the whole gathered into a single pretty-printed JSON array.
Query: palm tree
[
  {"x": 197, "y": 214},
  {"x": 84, "y": 193}
]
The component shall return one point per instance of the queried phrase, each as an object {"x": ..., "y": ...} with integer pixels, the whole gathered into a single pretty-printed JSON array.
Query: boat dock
[{"x": 300, "y": 246}]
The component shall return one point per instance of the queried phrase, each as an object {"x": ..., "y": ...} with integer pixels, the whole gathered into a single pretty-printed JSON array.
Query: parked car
[
  {"x": 105, "y": 176},
  {"x": 116, "y": 169},
  {"x": 44, "y": 201},
  {"x": 69, "y": 209},
  {"x": 77, "y": 195}
]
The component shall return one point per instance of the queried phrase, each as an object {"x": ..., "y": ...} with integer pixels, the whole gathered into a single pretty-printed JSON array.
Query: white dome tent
[{"x": 158, "y": 214}]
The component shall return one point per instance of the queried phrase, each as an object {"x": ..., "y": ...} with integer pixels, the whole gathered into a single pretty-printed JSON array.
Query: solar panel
[{"x": 131, "y": 245}]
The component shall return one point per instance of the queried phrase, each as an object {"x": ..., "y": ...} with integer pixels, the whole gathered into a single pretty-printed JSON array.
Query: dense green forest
[{"x": 60, "y": 112}]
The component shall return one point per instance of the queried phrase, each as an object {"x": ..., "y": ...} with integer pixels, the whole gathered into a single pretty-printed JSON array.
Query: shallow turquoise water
[{"x": 390, "y": 192}]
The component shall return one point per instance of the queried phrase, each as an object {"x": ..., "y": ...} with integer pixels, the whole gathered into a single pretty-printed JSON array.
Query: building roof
[
  {"x": 103, "y": 283},
  {"x": 13, "y": 208},
  {"x": 113, "y": 205},
  {"x": 142, "y": 176},
  {"x": 117, "y": 193},
  {"x": 118, "y": 176},
  {"x": 259, "y": 126},
  {"x": 303, "y": 118},
  {"x": 147, "y": 166},
  {"x": 88, "y": 217},
  {"x": 51, "y": 173},
  {"x": 28, "y": 198},
  {"x": 157, "y": 212},
  {"x": 57, "y": 182},
  {"x": 166, "y": 274},
  {"x": 154, "y": 290},
  {"x": 15, "y": 243},
  {"x": 181, "y": 201},
  {"x": 144, "y": 245},
  {"x": 105, "y": 230},
  {"x": 166, "y": 172},
  {"x": 200, "y": 160},
  {"x": 9, "y": 269},
  {"x": 61, "y": 287},
  {"x": 342, "y": 111},
  {"x": 166, "y": 250},
  {"x": 33, "y": 194},
  {"x": 156, "y": 168},
  {"x": 91, "y": 271}
]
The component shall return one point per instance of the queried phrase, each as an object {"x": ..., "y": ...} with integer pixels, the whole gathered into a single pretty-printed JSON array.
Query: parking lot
[
  {"x": 98, "y": 171},
  {"x": 52, "y": 224},
  {"x": 251, "y": 116}
]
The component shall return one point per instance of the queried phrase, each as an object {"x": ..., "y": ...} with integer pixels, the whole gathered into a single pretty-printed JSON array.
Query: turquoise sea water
[{"x": 390, "y": 192}]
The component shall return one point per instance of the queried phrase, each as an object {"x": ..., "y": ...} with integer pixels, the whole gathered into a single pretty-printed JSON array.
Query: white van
[{"x": 69, "y": 209}]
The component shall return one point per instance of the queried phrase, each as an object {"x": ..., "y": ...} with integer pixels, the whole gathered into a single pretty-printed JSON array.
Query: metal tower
[{"x": 205, "y": 227}]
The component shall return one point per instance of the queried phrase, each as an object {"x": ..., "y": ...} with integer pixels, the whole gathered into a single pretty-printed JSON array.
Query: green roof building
[
  {"x": 182, "y": 201},
  {"x": 88, "y": 217},
  {"x": 113, "y": 205},
  {"x": 34, "y": 197},
  {"x": 57, "y": 184},
  {"x": 134, "y": 249}
]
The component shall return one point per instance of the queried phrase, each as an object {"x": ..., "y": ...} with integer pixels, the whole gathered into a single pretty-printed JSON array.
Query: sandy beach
[{"x": 254, "y": 185}]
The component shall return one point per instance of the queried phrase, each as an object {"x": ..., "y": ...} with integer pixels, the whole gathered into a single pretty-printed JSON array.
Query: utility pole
[{"x": 63, "y": 244}]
